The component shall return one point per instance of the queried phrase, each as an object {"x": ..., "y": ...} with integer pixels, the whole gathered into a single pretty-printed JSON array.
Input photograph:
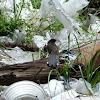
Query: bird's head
[{"x": 52, "y": 41}]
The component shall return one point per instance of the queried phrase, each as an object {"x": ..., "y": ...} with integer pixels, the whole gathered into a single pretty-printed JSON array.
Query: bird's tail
[{"x": 53, "y": 60}]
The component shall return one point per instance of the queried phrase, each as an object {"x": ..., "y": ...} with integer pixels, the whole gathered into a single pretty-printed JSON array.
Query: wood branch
[
  {"x": 36, "y": 71},
  {"x": 24, "y": 46}
]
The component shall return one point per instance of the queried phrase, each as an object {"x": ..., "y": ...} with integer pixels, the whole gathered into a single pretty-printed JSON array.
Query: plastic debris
[
  {"x": 64, "y": 12},
  {"x": 81, "y": 87},
  {"x": 60, "y": 12},
  {"x": 19, "y": 36},
  {"x": 15, "y": 56},
  {"x": 36, "y": 56},
  {"x": 66, "y": 95},
  {"x": 68, "y": 55},
  {"x": 78, "y": 90},
  {"x": 41, "y": 41},
  {"x": 54, "y": 90},
  {"x": 45, "y": 8},
  {"x": 64, "y": 18},
  {"x": 54, "y": 87},
  {"x": 65, "y": 37},
  {"x": 94, "y": 24},
  {"x": 72, "y": 6},
  {"x": 96, "y": 89},
  {"x": 86, "y": 98},
  {"x": 5, "y": 39},
  {"x": 84, "y": 88}
]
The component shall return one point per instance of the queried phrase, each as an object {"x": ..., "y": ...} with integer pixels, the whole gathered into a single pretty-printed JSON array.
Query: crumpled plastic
[
  {"x": 94, "y": 24},
  {"x": 60, "y": 10},
  {"x": 66, "y": 95},
  {"x": 70, "y": 8},
  {"x": 15, "y": 56},
  {"x": 41, "y": 41},
  {"x": 77, "y": 90},
  {"x": 45, "y": 8},
  {"x": 54, "y": 87},
  {"x": 96, "y": 89},
  {"x": 86, "y": 98},
  {"x": 19, "y": 36},
  {"x": 5, "y": 39}
]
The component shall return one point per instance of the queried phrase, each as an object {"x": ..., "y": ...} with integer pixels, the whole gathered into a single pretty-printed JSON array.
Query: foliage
[
  {"x": 67, "y": 0},
  {"x": 93, "y": 75},
  {"x": 36, "y": 3},
  {"x": 51, "y": 72},
  {"x": 55, "y": 26},
  {"x": 28, "y": 38},
  {"x": 8, "y": 25}
]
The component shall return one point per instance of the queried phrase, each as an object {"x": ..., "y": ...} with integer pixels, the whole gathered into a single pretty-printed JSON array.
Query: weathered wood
[
  {"x": 24, "y": 46},
  {"x": 88, "y": 53},
  {"x": 36, "y": 71}
]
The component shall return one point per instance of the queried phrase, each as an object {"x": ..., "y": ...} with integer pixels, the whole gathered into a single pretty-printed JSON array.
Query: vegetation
[
  {"x": 55, "y": 26},
  {"x": 9, "y": 24},
  {"x": 36, "y": 3}
]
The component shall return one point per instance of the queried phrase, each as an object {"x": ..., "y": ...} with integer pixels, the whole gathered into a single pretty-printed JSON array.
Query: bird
[{"x": 53, "y": 51}]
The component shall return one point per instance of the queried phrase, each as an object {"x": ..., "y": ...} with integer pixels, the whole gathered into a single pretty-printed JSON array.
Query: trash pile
[
  {"x": 71, "y": 89},
  {"x": 66, "y": 13},
  {"x": 15, "y": 56}
]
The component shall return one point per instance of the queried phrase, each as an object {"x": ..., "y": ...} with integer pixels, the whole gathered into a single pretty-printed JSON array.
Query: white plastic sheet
[
  {"x": 96, "y": 89},
  {"x": 5, "y": 39},
  {"x": 71, "y": 94},
  {"x": 54, "y": 87},
  {"x": 64, "y": 12},
  {"x": 19, "y": 36},
  {"x": 86, "y": 98},
  {"x": 41, "y": 41},
  {"x": 61, "y": 10},
  {"x": 45, "y": 8},
  {"x": 94, "y": 24},
  {"x": 17, "y": 55},
  {"x": 78, "y": 91},
  {"x": 72, "y": 6}
]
